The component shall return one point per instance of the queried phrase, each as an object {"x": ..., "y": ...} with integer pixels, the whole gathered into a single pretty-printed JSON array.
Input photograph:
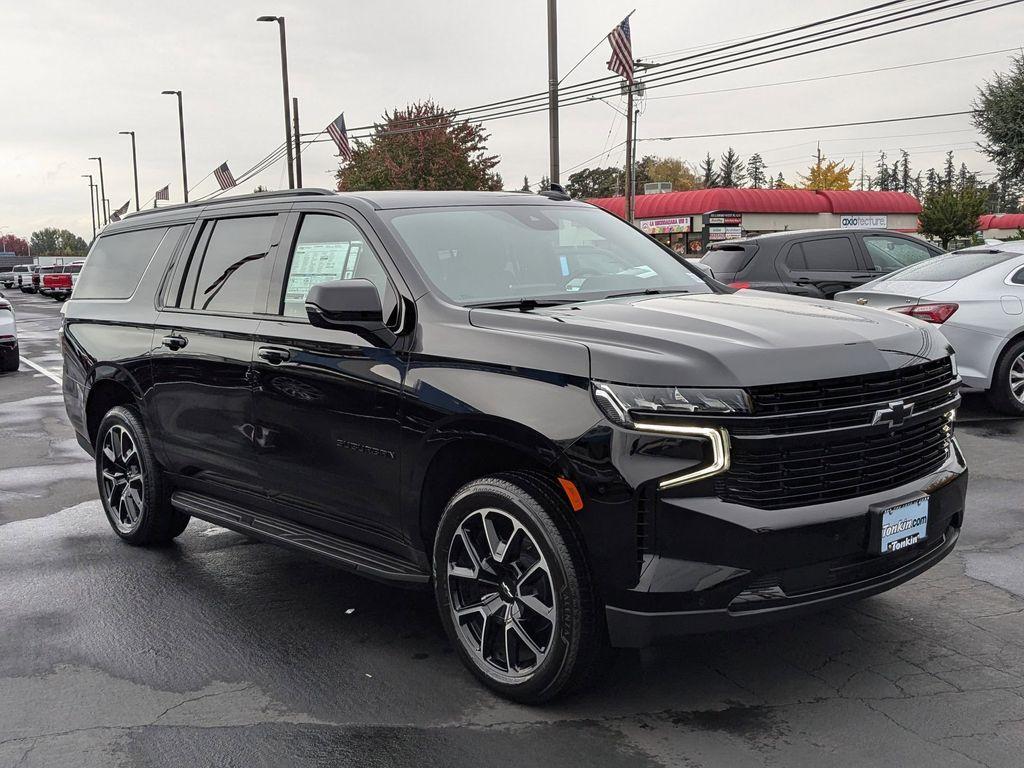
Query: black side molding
[{"x": 360, "y": 558}]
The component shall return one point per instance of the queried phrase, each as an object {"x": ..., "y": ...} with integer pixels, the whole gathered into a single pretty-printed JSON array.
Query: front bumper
[{"x": 754, "y": 566}]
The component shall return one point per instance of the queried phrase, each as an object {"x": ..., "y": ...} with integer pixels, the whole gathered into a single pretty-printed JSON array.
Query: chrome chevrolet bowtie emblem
[{"x": 894, "y": 415}]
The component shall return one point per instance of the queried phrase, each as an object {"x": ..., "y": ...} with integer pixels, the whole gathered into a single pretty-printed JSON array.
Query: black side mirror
[
  {"x": 705, "y": 269},
  {"x": 349, "y": 305}
]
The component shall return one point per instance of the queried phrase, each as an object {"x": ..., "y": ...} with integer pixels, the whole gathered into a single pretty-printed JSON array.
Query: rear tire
[
  {"x": 132, "y": 489},
  {"x": 514, "y": 589},
  {"x": 10, "y": 362},
  {"x": 1007, "y": 392}
]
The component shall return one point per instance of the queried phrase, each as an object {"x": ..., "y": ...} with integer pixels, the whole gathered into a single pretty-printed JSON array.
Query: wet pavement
[{"x": 222, "y": 651}]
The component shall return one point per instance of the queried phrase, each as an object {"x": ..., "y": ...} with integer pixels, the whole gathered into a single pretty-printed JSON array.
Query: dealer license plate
[{"x": 903, "y": 525}]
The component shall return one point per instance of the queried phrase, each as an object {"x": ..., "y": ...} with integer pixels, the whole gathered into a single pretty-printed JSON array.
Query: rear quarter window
[
  {"x": 953, "y": 266},
  {"x": 116, "y": 264},
  {"x": 730, "y": 258}
]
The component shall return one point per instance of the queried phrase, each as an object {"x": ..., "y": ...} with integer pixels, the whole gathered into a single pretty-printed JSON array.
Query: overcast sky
[{"x": 75, "y": 73}]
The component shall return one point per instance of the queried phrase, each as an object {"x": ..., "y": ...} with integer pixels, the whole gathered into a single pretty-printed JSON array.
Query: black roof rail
[{"x": 234, "y": 199}]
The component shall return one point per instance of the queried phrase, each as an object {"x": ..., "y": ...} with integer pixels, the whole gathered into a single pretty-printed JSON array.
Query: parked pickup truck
[
  {"x": 57, "y": 282},
  {"x": 9, "y": 277}
]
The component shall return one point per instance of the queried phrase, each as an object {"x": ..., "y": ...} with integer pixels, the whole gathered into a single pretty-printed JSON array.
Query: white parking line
[{"x": 46, "y": 372}]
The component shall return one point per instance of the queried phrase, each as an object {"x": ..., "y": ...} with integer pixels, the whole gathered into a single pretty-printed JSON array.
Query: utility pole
[
  {"x": 298, "y": 142},
  {"x": 99, "y": 214},
  {"x": 554, "y": 170},
  {"x": 103, "y": 190},
  {"x": 92, "y": 203},
  {"x": 629, "y": 151},
  {"x": 181, "y": 131},
  {"x": 135, "y": 166},
  {"x": 287, "y": 101}
]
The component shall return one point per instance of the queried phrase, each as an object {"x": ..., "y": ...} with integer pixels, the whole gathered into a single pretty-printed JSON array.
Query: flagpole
[
  {"x": 298, "y": 143},
  {"x": 629, "y": 151}
]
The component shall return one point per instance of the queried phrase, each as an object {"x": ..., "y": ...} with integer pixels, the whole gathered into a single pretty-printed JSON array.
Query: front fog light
[{"x": 620, "y": 402}]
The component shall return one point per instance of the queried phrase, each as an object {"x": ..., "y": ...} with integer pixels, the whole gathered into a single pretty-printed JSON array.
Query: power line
[
  {"x": 670, "y": 79},
  {"x": 807, "y": 127},
  {"x": 831, "y": 77},
  {"x": 542, "y": 95}
]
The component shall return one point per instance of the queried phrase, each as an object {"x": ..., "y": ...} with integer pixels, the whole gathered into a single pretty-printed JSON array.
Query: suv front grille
[
  {"x": 815, "y": 442},
  {"x": 851, "y": 390},
  {"x": 799, "y": 472}
]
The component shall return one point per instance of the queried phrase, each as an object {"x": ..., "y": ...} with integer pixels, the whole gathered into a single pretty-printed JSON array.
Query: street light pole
[
  {"x": 298, "y": 142},
  {"x": 135, "y": 166},
  {"x": 287, "y": 100},
  {"x": 553, "y": 89},
  {"x": 103, "y": 190},
  {"x": 92, "y": 203},
  {"x": 181, "y": 131}
]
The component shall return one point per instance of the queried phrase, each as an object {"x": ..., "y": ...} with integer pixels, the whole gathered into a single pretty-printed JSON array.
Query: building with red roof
[
  {"x": 694, "y": 218},
  {"x": 999, "y": 226}
]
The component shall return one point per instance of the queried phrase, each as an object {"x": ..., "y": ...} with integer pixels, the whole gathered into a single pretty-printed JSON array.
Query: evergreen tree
[
  {"x": 932, "y": 182},
  {"x": 755, "y": 167},
  {"x": 780, "y": 181},
  {"x": 917, "y": 186},
  {"x": 733, "y": 171},
  {"x": 950, "y": 172},
  {"x": 709, "y": 176},
  {"x": 905, "y": 178},
  {"x": 882, "y": 173}
]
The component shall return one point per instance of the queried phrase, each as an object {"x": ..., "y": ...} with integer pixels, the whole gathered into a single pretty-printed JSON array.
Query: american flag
[
  {"x": 116, "y": 215},
  {"x": 621, "y": 61},
  {"x": 224, "y": 177},
  {"x": 163, "y": 194},
  {"x": 340, "y": 136}
]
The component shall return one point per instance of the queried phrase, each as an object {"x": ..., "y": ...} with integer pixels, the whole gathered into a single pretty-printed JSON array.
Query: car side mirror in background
[
  {"x": 706, "y": 269},
  {"x": 349, "y": 305}
]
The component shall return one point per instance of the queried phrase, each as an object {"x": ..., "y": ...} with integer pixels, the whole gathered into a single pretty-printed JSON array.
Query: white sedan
[
  {"x": 9, "y": 356},
  {"x": 977, "y": 296}
]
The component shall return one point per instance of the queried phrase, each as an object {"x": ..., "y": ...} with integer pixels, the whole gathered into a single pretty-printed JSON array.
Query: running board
[{"x": 334, "y": 549}]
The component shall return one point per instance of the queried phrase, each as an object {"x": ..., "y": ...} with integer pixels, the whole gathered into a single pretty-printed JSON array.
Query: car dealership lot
[{"x": 220, "y": 650}]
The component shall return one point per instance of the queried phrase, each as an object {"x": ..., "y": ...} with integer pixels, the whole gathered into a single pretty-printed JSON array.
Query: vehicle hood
[{"x": 742, "y": 339}]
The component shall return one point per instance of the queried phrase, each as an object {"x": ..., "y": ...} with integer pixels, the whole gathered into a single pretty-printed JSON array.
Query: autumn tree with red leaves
[
  {"x": 14, "y": 244},
  {"x": 421, "y": 147}
]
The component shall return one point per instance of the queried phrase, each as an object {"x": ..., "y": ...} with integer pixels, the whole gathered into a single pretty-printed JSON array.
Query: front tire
[
  {"x": 1007, "y": 392},
  {"x": 11, "y": 361},
  {"x": 132, "y": 487},
  {"x": 514, "y": 588}
]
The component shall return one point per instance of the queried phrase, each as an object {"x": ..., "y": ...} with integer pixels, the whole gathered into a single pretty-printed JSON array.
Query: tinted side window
[
  {"x": 834, "y": 254},
  {"x": 116, "y": 264},
  {"x": 1018, "y": 278},
  {"x": 228, "y": 276},
  {"x": 332, "y": 248},
  {"x": 889, "y": 253}
]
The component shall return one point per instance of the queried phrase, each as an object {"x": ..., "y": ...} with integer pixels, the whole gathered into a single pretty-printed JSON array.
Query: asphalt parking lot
[{"x": 222, "y": 651}]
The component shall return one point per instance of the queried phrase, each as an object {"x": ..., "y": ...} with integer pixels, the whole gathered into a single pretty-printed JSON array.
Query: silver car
[{"x": 977, "y": 296}]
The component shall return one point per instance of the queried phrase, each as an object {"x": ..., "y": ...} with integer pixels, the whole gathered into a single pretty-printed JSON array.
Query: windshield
[
  {"x": 495, "y": 254},
  {"x": 952, "y": 266}
]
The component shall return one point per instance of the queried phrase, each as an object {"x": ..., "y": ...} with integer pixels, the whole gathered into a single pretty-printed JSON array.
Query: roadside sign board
[
  {"x": 666, "y": 225},
  {"x": 850, "y": 221}
]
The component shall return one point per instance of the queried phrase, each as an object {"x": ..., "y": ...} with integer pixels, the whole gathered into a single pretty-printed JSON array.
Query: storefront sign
[
  {"x": 665, "y": 226},
  {"x": 724, "y": 233},
  {"x": 864, "y": 222},
  {"x": 724, "y": 219}
]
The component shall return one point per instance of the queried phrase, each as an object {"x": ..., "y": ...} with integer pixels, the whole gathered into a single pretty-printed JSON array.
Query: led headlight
[{"x": 621, "y": 402}]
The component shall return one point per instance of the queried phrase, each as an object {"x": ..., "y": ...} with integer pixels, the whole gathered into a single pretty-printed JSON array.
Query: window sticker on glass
[{"x": 315, "y": 263}]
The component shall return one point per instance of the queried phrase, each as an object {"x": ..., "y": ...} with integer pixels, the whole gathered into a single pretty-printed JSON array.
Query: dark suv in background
[
  {"x": 815, "y": 262},
  {"x": 575, "y": 438}
]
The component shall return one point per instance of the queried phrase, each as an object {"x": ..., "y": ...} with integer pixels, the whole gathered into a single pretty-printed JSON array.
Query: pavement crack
[{"x": 191, "y": 699}]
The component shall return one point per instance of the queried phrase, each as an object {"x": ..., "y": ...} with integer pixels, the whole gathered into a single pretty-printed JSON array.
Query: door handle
[
  {"x": 863, "y": 277},
  {"x": 802, "y": 281},
  {"x": 174, "y": 342},
  {"x": 273, "y": 355}
]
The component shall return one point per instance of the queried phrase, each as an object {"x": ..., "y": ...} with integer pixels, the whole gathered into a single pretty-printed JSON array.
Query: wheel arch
[
  {"x": 110, "y": 386},
  {"x": 460, "y": 452}
]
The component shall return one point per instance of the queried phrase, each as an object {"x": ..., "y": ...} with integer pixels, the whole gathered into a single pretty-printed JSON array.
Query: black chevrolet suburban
[{"x": 573, "y": 437}]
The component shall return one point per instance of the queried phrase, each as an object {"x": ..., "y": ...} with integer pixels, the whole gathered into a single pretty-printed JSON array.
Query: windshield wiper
[
  {"x": 647, "y": 292},
  {"x": 523, "y": 305}
]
